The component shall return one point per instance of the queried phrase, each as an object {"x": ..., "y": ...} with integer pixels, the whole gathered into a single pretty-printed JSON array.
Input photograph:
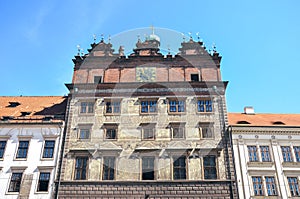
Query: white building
[
  {"x": 267, "y": 154},
  {"x": 30, "y": 141}
]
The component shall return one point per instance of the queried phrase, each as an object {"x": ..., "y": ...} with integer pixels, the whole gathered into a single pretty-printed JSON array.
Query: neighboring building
[
  {"x": 30, "y": 141},
  {"x": 267, "y": 154},
  {"x": 147, "y": 125}
]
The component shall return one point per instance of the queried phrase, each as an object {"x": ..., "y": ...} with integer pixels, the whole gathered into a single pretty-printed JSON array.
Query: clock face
[{"x": 145, "y": 74}]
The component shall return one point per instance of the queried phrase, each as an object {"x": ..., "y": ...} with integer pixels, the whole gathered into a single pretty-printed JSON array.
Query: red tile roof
[
  {"x": 264, "y": 119},
  {"x": 34, "y": 107}
]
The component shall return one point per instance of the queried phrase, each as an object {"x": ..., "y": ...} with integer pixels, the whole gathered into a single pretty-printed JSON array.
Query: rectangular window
[
  {"x": 257, "y": 186},
  {"x": 148, "y": 168},
  {"x": 108, "y": 168},
  {"x": 148, "y": 131},
  {"x": 87, "y": 107},
  {"x": 23, "y": 149},
  {"x": 111, "y": 132},
  {"x": 265, "y": 153},
  {"x": 297, "y": 153},
  {"x": 48, "y": 149},
  {"x": 271, "y": 186},
  {"x": 43, "y": 182},
  {"x": 209, "y": 164},
  {"x": 293, "y": 185},
  {"x": 286, "y": 154},
  {"x": 252, "y": 151},
  {"x": 148, "y": 107},
  {"x": 81, "y": 166},
  {"x": 177, "y": 131},
  {"x": 15, "y": 182},
  {"x": 97, "y": 79},
  {"x": 179, "y": 168},
  {"x": 84, "y": 134},
  {"x": 2, "y": 148},
  {"x": 176, "y": 106},
  {"x": 206, "y": 130},
  {"x": 113, "y": 107},
  {"x": 204, "y": 105},
  {"x": 194, "y": 77}
]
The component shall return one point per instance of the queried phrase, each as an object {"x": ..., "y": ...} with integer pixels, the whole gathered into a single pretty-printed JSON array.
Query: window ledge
[
  {"x": 263, "y": 197},
  {"x": 260, "y": 164},
  {"x": 209, "y": 113},
  {"x": 291, "y": 164}
]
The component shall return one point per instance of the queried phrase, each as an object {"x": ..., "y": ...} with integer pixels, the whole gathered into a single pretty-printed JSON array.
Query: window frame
[
  {"x": 210, "y": 168},
  {"x": 112, "y": 104},
  {"x": 286, "y": 155},
  {"x": 271, "y": 184},
  {"x": 297, "y": 153},
  {"x": 48, "y": 148},
  {"x": 89, "y": 107},
  {"x": 148, "y": 106},
  {"x": 151, "y": 169},
  {"x": 204, "y": 127},
  {"x": 81, "y": 169},
  {"x": 179, "y": 168},
  {"x": 178, "y": 107},
  {"x": 180, "y": 127},
  {"x": 109, "y": 168},
  {"x": 260, "y": 191},
  {"x": 145, "y": 127},
  {"x": 2, "y": 149},
  {"x": 265, "y": 153},
  {"x": 18, "y": 148},
  {"x": 39, "y": 182},
  {"x": 295, "y": 185},
  {"x": 86, "y": 131},
  {"x": 206, "y": 107},
  {"x": 17, "y": 183},
  {"x": 107, "y": 127},
  {"x": 255, "y": 156}
]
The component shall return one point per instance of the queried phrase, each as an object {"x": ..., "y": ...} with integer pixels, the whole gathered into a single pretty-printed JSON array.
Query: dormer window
[
  {"x": 97, "y": 79},
  {"x": 25, "y": 113},
  {"x": 13, "y": 104},
  {"x": 194, "y": 77}
]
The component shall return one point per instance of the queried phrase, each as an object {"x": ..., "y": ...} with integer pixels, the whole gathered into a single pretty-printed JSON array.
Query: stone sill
[
  {"x": 266, "y": 197},
  {"x": 260, "y": 164},
  {"x": 291, "y": 164}
]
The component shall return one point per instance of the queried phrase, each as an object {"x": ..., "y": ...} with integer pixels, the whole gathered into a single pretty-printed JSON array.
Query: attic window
[
  {"x": 47, "y": 118},
  {"x": 194, "y": 77},
  {"x": 25, "y": 113},
  {"x": 13, "y": 104},
  {"x": 243, "y": 122},
  {"x": 6, "y": 118},
  {"x": 278, "y": 123}
]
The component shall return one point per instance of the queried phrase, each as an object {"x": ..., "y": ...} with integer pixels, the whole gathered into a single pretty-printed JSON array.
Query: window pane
[
  {"x": 252, "y": 151},
  {"x": 44, "y": 181},
  {"x": 265, "y": 154},
  {"x": 293, "y": 185},
  {"x": 257, "y": 186},
  {"x": 83, "y": 107},
  {"x": 286, "y": 154},
  {"x": 148, "y": 168},
  {"x": 22, "y": 149},
  {"x": 111, "y": 133},
  {"x": 271, "y": 186},
  {"x": 179, "y": 168},
  {"x": 84, "y": 134},
  {"x": 210, "y": 171},
  {"x": 297, "y": 153},
  {"x": 2, "y": 148},
  {"x": 49, "y": 149},
  {"x": 15, "y": 182},
  {"x": 81, "y": 168},
  {"x": 108, "y": 168}
]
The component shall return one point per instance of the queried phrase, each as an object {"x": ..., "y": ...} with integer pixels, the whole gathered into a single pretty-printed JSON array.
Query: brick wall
[{"x": 167, "y": 190}]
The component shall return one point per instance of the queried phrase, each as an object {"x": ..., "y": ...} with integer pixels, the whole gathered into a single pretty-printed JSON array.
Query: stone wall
[{"x": 167, "y": 190}]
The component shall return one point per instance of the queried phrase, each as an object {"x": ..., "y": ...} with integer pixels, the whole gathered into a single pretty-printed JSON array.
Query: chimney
[{"x": 249, "y": 110}]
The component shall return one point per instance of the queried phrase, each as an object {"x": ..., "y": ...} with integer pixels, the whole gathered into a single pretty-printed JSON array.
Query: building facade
[
  {"x": 147, "y": 125},
  {"x": 30, "y": 141},
  {"x": 267, "y": 154}
]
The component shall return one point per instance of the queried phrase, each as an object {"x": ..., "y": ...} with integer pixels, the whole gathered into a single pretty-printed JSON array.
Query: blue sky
[{"x": 258, "y": 40}]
